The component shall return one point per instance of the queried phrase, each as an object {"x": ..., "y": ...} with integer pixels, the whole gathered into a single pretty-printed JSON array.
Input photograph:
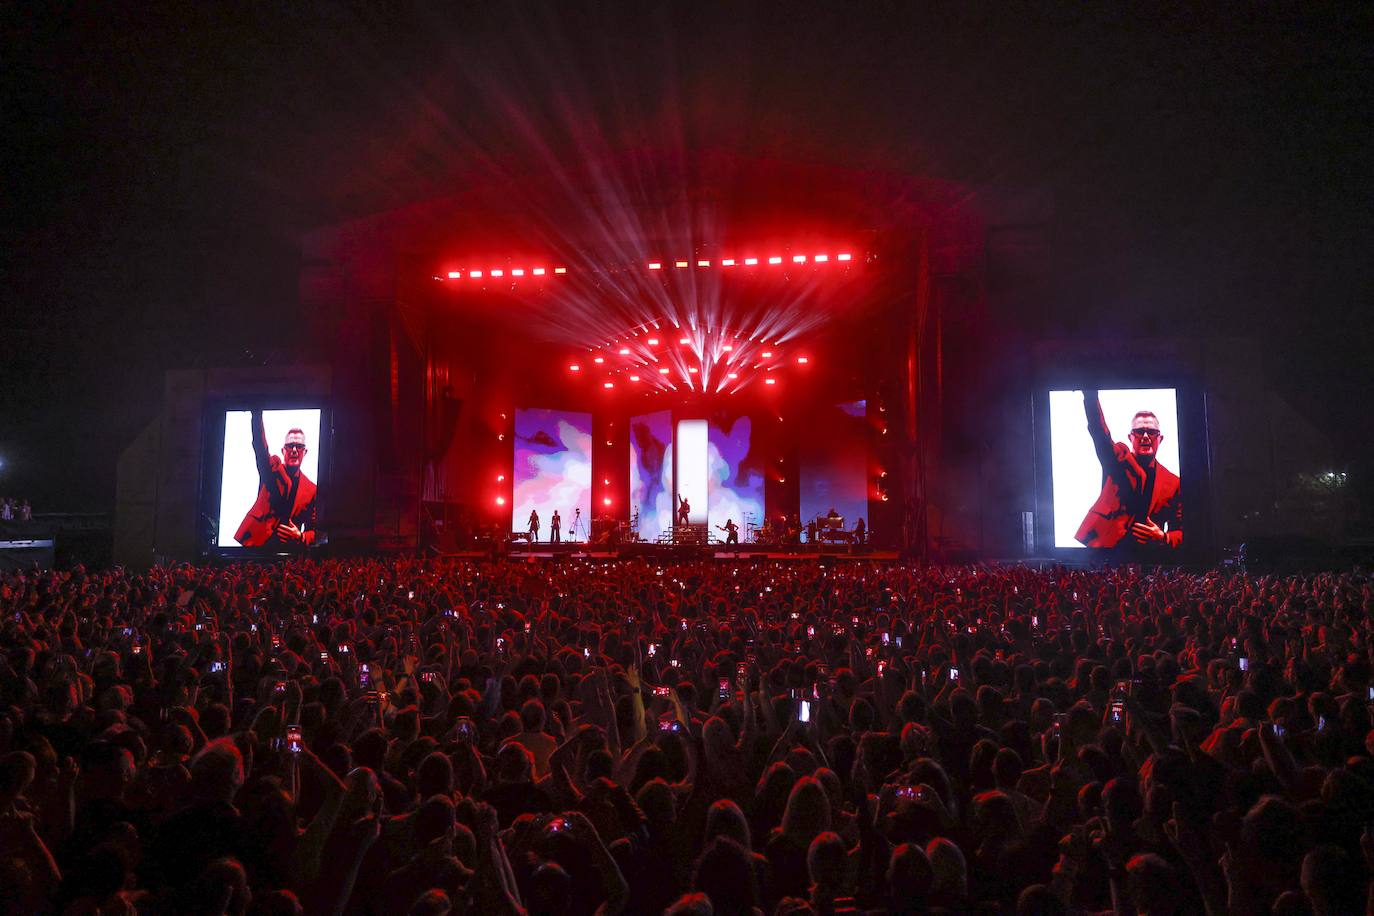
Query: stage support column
[{"x": 918, "y": 419}]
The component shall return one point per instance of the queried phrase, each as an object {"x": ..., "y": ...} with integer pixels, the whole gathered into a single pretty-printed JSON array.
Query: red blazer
[
  {"x": 278, "y": 500},
  {"x": 1122, "y": 500}
]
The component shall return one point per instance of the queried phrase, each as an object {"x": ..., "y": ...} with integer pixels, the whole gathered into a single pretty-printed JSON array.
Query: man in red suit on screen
[
  {"x": 1140, "y": 502},
  {"x": 284, "y": 512}
]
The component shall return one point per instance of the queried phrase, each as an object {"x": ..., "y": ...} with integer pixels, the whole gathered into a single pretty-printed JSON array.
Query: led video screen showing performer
[
  {"x": 833, "y": 463},
  {"x": 734, "y": 483},
  {"x": 552, "y": 475},
  {"x": 1114, "y": 459},
  {"x": 690, "y": 476},
  {"x": 269, "y": 476},
  {"x": 651, "y": 472}
]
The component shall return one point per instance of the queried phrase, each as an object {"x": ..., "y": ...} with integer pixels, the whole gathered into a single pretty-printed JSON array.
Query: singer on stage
[
  {"x": 1140, "y": 502},
  {"x": 284, "y": 511}
]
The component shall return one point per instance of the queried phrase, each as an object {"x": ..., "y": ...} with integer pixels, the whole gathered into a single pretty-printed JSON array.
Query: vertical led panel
[
  {"x": 552, "y": 469},
  {"x": 651, "y": 472},
  {"x": 269, "y": 474},
  {"x": 735, "y": 482},
  {"x": 1114, "y": 464},
  {"x": 834, "y": 463},
  {"x": 692, "y": 443}
]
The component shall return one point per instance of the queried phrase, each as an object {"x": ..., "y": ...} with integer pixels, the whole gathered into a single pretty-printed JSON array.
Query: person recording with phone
[
  {"x": 1141, "y": 502},
  {"x": 284, "y": 512}
]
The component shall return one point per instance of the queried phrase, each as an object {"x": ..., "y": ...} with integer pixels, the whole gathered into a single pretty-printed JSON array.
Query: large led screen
[
  {"x": 651, "y": 473},
  {"x": 735, "y": 477},
  {"x": 692, "y": 489},
  {"x": 834, "y": 464},
  {"x": 269, "y": 473},
  {"x": 552, "y": 473},
  {"x": 1114, "y": 464}
]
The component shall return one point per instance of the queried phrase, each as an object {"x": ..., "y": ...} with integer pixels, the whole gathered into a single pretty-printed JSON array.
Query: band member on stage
[
  {"x": 555, "y": 528},
  {"x": 811, "y": 532},
  {"x": 1140, "y": 502},
  {"x": 534, "y": 526},
  {"x": 860, "y": 531},
  {"x": 731, "y": 531},
  {"x": 284, "y": 511},
  {"x": 684, "y": 511}
]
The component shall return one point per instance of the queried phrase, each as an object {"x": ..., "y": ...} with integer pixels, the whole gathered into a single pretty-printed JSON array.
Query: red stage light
[
  {"x": 663, "y": 371},
  {"x": 653, "y": 341},
  {"x": 624, "y": 351},
  {"x": 803, "y": 360},
  {"x": 606, "y": 481},
  {"x": 732, "y": 375},
  {"x": 518, "y": 272},
  {"x": 454, "y": 274},
  {"x": 608, "y": 384},
  {"x": 692, "y": 369},
  {"x": 750, "y": 262},
  {"x": 655, "y": 265},
  {"x": 475, "y": 274},
  {"x": 634, "y": 378},
  {"x": 679, "y": 263},
  {"x": 775, "y": 259},
  {"x": 606, "y": 501},
  {"x": 798, "y": 259},
  {"x": 538, "y": 271},
  {"x": 770, "y": 381},
  {"x": 767, "y": 354},
  {"x": 500, "y": 500},
  {"x": 821, "y": 258},
  {"x": 500, "y": 478},
  {"x": 843, "y": 257},
  {"x": 703, "y": 263},
  {"x": 498, "y": 273},
  {"x": 560, "y": 270},
  {"x": 684, "y": 341},
  {"x": 727, "y": 348},
  {"x": 728, "y": 262},
  {"x": 574, "y": 367}
]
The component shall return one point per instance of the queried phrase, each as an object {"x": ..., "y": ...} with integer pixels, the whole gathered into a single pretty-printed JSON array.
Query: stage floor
[{"x": 743, "y": 552}]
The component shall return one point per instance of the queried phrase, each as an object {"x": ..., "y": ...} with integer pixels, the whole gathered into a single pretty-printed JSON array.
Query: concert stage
[
  {"x": 820, "y": 364},
  {"x": 682, "y": 552}
]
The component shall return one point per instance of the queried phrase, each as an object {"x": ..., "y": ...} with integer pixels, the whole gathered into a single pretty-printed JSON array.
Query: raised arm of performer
[
  {"x": 1097, "y": 429},
  {"x": 261, "y": 452}
]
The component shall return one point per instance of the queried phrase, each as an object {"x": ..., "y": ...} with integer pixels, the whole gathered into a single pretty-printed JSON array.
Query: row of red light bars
[
  {"x": 754, "y": 262},
  {"x": 500, "y": 272}
]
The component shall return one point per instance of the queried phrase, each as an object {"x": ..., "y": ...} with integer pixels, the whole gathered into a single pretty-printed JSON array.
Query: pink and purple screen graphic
[
  {"x": 834, "y": 463},
  {"x": 651, "y": 472},
  {"x": 734, "y": 476},
  {"x": 553, "y": 470}
]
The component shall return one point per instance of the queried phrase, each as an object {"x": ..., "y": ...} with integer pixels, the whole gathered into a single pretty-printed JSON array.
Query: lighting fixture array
[
  {"x": 823, "y": 258},
  {"x": 501, "y": 273},
  {"x": 710, "y": 359}
]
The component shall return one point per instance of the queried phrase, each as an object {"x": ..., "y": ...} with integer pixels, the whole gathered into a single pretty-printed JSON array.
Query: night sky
[{"x": 1211, "y": 170}]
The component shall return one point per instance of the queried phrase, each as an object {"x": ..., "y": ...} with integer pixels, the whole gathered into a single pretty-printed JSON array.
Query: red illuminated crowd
[{"x": 415, "y": 737}]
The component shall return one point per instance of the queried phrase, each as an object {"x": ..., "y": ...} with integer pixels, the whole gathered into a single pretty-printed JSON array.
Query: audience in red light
[{"x": 398, "y": 736}]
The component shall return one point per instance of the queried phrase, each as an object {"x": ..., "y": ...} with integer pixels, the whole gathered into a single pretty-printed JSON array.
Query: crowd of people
[
  {"x": 15, "y": 510},
  {"x": 424, "y": 737}
]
